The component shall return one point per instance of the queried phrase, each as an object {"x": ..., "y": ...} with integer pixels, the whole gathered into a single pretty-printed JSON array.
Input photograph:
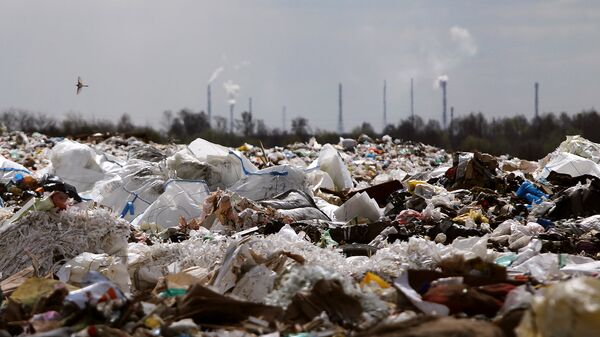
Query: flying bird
[{"x": 80, "y": 85}]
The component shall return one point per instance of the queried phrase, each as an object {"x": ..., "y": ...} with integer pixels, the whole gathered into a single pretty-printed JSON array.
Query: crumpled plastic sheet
[
  {"x": 547, "y": 265},
  {"x": 580, "y": 146},
  {"x": 569, "y": 164},
  {"x": 65, "y": 234},
  {"x": 76, "y": 163},
  {"x": 565, "y": 309},
  {"x": 331, "y": 162},
  {"x": 517, "y": 235},
  {"x": 140, "y": 182},
  {"x": 270, "y": 182}
]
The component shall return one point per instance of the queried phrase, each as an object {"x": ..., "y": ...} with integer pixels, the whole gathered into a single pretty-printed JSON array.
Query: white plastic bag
[
  {"x": 181, "y": 198},
  {"x": 77, "y": 164},
  {"x": 319, "y": 179},
  {"x": 431, "y": 214},
  {"x": 139, "y": 182},
  {"x": 331, "y": 162},
  {"x": 270, "y": 182},
  {"x": 359, "y": 205},
  {"x": 184, "y": 165},
  {"x": 9, "y": 169},
  {"x": 229, "y": 163}
]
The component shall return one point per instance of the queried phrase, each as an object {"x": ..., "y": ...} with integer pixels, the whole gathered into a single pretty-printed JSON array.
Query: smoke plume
[
  {"x": 215, "y": 74},
  {"x": 232, "y": 90},
  {"x": 441, "y": 79},
  {"x": 463, "y": 39}
]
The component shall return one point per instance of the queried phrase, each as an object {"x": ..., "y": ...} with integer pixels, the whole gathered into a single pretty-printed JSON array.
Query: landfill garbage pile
[{"x": 116, "y": 237}]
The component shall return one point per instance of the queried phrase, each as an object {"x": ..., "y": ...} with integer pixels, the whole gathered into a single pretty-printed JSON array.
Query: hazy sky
[{"x": 146, "y": 56}]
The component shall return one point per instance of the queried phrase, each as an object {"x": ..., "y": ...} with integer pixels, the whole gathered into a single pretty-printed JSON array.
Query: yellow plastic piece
[
  {"x": 413, "y": 183},
  {"x": 153, "y": 322},
  {"x": 474, "y": 215},
  {"x": 372, "y": 278}
]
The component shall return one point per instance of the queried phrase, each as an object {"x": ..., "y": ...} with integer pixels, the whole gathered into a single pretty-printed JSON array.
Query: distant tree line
[
  {"x": 517, "y": 135},
  {"x": 74, "y": 125}
]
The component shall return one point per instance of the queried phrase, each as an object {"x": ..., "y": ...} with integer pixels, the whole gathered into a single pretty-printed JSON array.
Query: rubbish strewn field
[{"x": 117, "y": 237}]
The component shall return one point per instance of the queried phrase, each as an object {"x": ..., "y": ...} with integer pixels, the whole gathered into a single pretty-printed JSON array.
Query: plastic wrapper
[
  {"x": 431, "y": 214},
  {"x": 427, "y": 191},
  {"x": 99, "y": 291}
]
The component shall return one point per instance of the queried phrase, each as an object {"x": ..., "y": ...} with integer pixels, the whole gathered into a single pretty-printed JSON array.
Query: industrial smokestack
[
  {"x": 442, "y": 81},
  {"x": 213, "y": 77},
  {"x": 340, "y": 117},
  {"x": 451, "y": 120},
  {"x": 231, "y": 118},
  {"x": 384, "y": 104},
  {"x": 412, "y": 102},
  {"x": 283, "y": 119},
  {"x": 232, "y": 90},
  {"x": 443, "y": 84},
  {"x": 537, "y": 102},
  {"x": 208, "y": 105}
]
